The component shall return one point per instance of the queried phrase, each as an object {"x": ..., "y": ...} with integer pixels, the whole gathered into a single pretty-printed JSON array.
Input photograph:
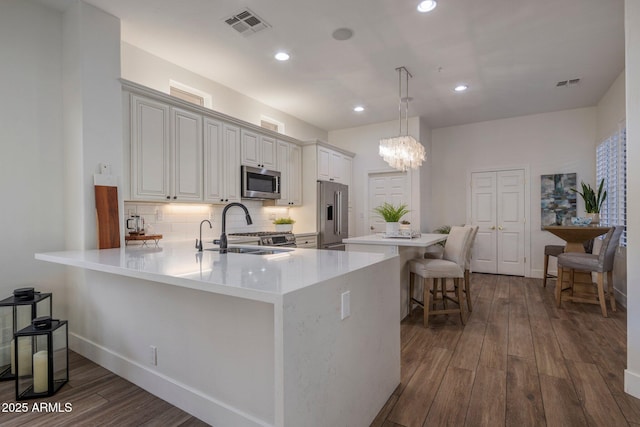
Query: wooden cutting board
[{"x": 107, "y": 216}]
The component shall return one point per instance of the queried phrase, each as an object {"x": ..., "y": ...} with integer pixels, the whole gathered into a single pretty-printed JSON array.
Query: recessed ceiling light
[
  {"x": 461, "y": 88},
  {"x": 427, "y": 5},
  {"x": 282, "y": 56},
  {"x": 342, "y": 34},
  {"x": 358, "y": 109}
]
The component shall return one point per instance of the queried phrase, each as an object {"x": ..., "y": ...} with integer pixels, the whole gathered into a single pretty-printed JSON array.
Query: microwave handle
[{"x": 277, "y": 185}]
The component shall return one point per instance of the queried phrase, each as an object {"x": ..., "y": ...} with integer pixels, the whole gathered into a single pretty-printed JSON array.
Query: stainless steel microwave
[{"x": 259, "y": 183}]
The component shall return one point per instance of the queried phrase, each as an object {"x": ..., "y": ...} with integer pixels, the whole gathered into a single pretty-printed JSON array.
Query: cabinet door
[
  {"x": 267, "y": 152},
  {"x": 150, "y": 149},
  {"x": 336, "y": 167},
  {"x": 213, "y": 159},
  {"x": 187, "y": 155},
  {"x": 347, "y": 163},
  {"x": 231, "y": 166},
  {"x": 283, "y": 164},
  {"x": 324, "y": 156},
  {"x": 295, "y": 175},
  {"x": 250, "y": 148}
]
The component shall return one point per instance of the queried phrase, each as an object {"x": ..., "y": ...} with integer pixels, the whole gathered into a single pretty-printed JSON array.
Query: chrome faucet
[
  {"x": 199, "y": 241},
  {"x": 223, "y": 237}
]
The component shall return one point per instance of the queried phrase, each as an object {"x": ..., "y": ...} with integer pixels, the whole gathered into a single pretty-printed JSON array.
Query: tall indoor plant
[
  {"x": 592, "y": 201},
  {"x": 391, "y": 215}
]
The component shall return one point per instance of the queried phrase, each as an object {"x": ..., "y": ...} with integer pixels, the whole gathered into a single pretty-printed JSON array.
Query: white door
[
  {"x": 497, "y": 208},
  {"x": 391, "y": 187}
]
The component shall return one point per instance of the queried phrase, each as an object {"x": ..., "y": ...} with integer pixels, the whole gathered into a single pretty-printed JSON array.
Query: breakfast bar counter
[
  {"x": 405, "y": 248},
  {"x": 299, "y": 337}
]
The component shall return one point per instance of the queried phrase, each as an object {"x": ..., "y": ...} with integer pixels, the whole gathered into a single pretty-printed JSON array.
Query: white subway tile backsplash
[{"x": 182, "y": 221}]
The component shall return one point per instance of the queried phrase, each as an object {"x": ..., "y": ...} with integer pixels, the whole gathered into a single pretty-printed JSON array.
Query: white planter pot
[
  {"x": 284, "y": 227},
  {"x": 393, "y": 227},
  {"x": 595, "y": 218}
]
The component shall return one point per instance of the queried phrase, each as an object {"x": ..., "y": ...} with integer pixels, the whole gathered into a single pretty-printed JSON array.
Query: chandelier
[{"x": 402, "y": 152}]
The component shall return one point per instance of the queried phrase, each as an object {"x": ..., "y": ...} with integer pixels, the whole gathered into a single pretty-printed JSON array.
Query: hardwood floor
[
  {"x": 98, "y": 398},
  {"x": 519, "y": 361}
]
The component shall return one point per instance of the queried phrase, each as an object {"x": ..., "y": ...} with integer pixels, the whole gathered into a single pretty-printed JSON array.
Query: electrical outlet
[
  {"x": 346, "y": 305},
  {"x": 153, "y": 355}
]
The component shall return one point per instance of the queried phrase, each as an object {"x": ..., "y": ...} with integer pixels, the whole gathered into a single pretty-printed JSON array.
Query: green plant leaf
[{"x": 391, "y": 213}]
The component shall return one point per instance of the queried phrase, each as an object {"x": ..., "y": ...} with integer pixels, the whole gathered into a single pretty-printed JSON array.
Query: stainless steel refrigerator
[{"x": 333, "y": 215}]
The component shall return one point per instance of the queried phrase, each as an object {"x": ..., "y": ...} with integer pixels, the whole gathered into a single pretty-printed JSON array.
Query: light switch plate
[{"x": 346, "y": 305}]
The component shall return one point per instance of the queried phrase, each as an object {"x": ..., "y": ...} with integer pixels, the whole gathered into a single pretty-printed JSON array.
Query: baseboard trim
[
  {"x": 632, "y": 383},
  {"x": 190, "y": 400}
]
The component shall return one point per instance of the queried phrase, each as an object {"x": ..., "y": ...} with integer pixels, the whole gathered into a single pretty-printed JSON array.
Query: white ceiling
[{"x": 510, "y": 52}]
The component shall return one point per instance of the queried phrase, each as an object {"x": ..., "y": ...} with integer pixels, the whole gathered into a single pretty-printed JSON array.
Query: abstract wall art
[{"x": 558, "y": 202}]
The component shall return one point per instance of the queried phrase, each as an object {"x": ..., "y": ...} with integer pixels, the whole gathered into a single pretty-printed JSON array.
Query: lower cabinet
[{"x": 307, "y": 241}]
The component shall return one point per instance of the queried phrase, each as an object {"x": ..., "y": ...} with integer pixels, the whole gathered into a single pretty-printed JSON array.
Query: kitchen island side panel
[
  {"x": 341, "y": 372},
  {"x": 215, "y": 353}
]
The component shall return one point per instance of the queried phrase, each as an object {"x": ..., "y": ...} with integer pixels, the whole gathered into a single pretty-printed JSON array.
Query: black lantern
[
  {"x": 43, "y": 349},
  {"x": 17, "y": 312}
]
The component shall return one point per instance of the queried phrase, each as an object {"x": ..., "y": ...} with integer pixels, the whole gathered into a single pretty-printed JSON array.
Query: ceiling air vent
[
  {"x": 568, "y": 83},
  {"x": 246, "y": 22}
]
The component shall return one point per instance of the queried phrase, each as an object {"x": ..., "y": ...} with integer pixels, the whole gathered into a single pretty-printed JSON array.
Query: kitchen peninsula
[{"x": 239, "y": 339}]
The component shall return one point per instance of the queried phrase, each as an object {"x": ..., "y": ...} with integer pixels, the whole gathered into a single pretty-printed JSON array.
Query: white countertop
[
  {"x": 257, "y": 277},
  {"x": 377, "y": 239}
]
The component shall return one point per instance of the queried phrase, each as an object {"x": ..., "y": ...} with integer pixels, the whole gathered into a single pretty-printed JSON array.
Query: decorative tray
[{"x": 402, "y": 235}]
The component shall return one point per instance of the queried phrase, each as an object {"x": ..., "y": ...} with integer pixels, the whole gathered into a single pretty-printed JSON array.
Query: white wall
[
  {"x": 549, "y": 143},
  {"x": 32, "y": 162},
  {"x": 363, "y": 141},
  {"x": 149, "y": 70},
  {"x": 632, "y": 36}
]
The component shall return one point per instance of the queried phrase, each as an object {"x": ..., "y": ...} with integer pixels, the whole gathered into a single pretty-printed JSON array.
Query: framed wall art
[{"x": 558, "y": 202}]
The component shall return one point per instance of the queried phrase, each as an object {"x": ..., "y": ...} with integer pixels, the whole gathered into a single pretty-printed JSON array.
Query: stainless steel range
[{"x": 271, "y": 238}]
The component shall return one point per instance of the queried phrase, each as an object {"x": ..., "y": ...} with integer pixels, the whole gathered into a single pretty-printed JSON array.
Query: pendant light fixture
[{"x": 402, "y": 152}]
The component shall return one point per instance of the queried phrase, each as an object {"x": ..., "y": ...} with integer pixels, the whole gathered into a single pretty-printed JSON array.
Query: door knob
[
  {"x": 372, "y": 227},
  {"x": 493, "y": 227},
  {"x": 500, "y": 228}
]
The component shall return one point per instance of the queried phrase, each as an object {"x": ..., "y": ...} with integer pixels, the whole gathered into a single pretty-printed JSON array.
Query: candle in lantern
[
  {"x": 24, "y": 357},
  {"x": 40, "y": 372}
]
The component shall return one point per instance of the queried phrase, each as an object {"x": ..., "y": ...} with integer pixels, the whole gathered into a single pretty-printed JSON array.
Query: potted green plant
[
  {"x": 391, "y": 215},
  {"x": 592, "y": 201},
  {"x": 405, "y": 225},
  {"x": 284, "y": 224}
]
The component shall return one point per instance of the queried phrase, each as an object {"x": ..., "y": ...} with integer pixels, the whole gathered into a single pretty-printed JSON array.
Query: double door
[{"x": 498, "y": 209}]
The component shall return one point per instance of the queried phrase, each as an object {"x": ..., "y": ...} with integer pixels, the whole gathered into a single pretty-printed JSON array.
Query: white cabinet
[
  {"x": 289, "y": 163},
  {"x": 166, "y": 152},
  {"x": 221, "y": 162},
  {"x": 306, "y": 241},
  {"x": 334, "y": 166},
  {"x": 258, "y": 150}
]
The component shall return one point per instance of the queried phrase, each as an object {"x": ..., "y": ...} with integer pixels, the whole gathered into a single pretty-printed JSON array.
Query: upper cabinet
[
  {"x": 334, "y": 166},
  {"x": 289, "y": 163},
  {"x": 182, "y": 152},
  {"x": 258, "y": 150},
  {"x": 221, "y": 162},
  {"x": 166, "y": 152}
]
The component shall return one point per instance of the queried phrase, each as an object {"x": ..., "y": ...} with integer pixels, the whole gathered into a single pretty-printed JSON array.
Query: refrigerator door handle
[
  {"x": 336, "y": 220},
  {"x": 339, "y": 193}
]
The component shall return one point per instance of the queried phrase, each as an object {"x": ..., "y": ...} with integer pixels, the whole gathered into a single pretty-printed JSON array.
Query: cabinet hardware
[{"x": 168, "y": 197}]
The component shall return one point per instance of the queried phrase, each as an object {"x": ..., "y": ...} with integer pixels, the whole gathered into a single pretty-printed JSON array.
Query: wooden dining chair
[
  {"x": 451, "y": 266},
  {"x": 600, "y": 263}
]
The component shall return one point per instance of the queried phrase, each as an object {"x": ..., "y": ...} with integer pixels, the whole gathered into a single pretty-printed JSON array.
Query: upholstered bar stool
[
  {"x": 451, "y": 266},
  {"x": 550, "y": 250},
  {"x": 600, "y": 263}
]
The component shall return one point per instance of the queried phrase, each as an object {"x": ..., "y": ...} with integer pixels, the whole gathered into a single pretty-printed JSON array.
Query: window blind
[{"x": 611, "y": 165}]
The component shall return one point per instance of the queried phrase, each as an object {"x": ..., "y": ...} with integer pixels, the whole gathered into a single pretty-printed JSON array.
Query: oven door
[{"x": 260, "y": 183}]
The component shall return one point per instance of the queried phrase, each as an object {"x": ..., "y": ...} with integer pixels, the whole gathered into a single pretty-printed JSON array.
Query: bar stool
[
  {"x": 451, "y": 266},
  {"x": 550, "y": 250}
]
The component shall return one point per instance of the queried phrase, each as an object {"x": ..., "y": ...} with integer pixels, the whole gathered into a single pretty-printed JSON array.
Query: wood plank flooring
[{"x": 520, "y": 361}]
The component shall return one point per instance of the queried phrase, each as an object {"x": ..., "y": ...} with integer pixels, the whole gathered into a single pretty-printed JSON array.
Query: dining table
[{"x": 575, "y": 236}]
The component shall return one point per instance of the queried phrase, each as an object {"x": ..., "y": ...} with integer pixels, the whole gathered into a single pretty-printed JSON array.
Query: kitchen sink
[{"x": 252, "y": 251}]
